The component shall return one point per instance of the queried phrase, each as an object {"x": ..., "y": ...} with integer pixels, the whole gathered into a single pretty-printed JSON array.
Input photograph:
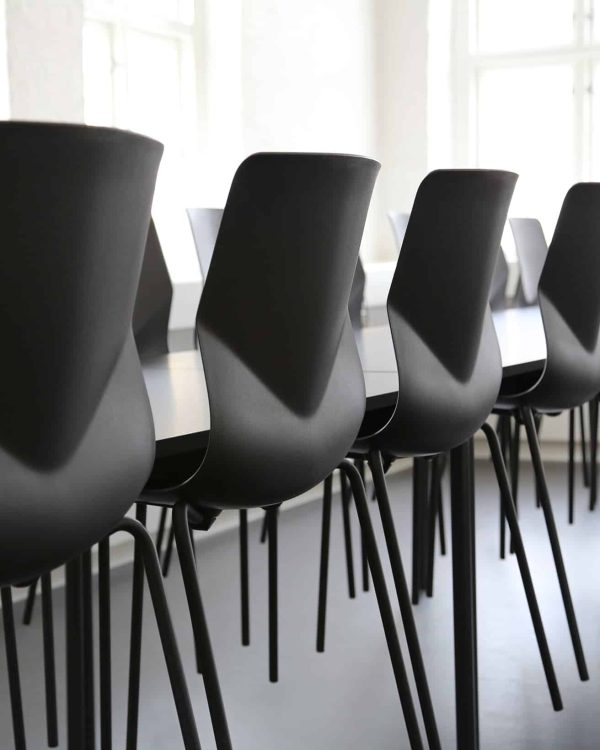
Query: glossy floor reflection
[{"x": 346, "y": 698}]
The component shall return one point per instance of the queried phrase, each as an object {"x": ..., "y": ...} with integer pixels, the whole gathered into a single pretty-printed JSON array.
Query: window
[
  {"x": 526, "y": 88},
  {"x": 138, "y": 64}
]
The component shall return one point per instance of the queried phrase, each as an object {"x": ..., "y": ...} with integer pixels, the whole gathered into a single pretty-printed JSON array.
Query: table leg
[{"x": 465, "y": 607}]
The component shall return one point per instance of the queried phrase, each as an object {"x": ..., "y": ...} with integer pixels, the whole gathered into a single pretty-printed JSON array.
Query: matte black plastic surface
[
  {"x": 205, "y": 223},
  {"x": 284, "y": 379},
  {"x": 499, "y": 282},
  {"x": 76, "y": 435},
  {"x": 153, "y": 301},
  {"x": 569, "y": 298},
  {"x": 357, "y": 294},
  {"x": 449, "y": 364}
]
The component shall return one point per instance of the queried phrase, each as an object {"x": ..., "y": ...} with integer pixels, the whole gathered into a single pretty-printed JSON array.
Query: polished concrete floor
[{"x": 346, "y": 697}]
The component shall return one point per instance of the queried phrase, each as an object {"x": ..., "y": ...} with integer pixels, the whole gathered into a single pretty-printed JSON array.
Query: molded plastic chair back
[
  {"x": 284, "y": 379},
  {"x": 532, "y": 250},
  {"x": 399, "y": 222},
  {"x": 76, "y": 434},
  {"x": 205, "y": 223},
  {"x": 569, "y": 298},
  {"x": 447, "y": 352},
  {"x": 153, "y": 301},
  {"x": 357, "y": 295},
  {"x": 499, "y": 282}
]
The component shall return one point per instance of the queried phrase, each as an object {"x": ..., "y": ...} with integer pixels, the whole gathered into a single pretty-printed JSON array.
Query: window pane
[
  {"x": 595, "y": 135},
  {"x": 526, "y": 124},
  {"x": 173, "y": 10},
  {"x": 506, "y": 25},
  {"x": 97, "y": 74}
]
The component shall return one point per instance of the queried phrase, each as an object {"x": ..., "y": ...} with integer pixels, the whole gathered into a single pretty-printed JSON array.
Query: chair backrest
[
  {"x": 205, "y": 223},
  {"x": 532, "y": 250},
  {"x": 357, "y": 295},
  {"x": 76, "y": 433},
  {"x": 499, "y": 282},
  {"x": 284, "y": 379},
  {"x": 448, "y": 358},
  {"x": 153, "y": 301},
  {"x": 569, "y": 298},
  {"x": 399, "y": 222}
]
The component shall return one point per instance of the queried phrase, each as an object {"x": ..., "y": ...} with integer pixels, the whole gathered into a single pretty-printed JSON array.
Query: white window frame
[{"x": 468, "y": 64}]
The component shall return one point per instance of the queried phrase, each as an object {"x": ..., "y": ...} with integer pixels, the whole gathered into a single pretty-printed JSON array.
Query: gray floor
[{"x": 346, "y": 697}]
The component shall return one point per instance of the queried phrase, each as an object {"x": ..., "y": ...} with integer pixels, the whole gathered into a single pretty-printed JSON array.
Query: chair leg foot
[
  {"x": 511, "y": 516},
  {"x": 534, "y": 448}
]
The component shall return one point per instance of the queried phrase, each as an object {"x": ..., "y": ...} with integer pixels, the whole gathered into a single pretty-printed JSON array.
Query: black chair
[
  {"x": 284, "y": 379},
  {"x": 569, "y": 299},
  {"x": 499, "y": 281},
  {"x": 532, "y": 250},
  {"x": 76, "y": 437},
  {"x": 153, "y": 301},
  {"x": 449, "y": 366}
]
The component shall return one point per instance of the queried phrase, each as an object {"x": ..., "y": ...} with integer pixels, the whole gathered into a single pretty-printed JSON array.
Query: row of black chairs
[{"x": 76, "y": 437}]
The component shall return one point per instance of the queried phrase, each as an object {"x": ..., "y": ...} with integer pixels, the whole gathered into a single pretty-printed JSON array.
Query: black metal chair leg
[
  {"x": 420, "y": 471},
  {"x": 324, "y": 564},
  {"x": 538, "y": 425},
  {"x": 345, "y": 503},
  {"x": 434, "y": 504},
  {"x": 514, "y": 454},
  {"x": 200, "y": 627},
  {"x": 503, "y": 421},
  {"x": 272, "y": 516},
  {"x": 593, "y": 406},
  {"x": 49, "y": 661},
  {"x": 385, "y": 608},
  {"x": 511, "y": 516},
  {"x": 88, "y": 651},
  {"x": 360, "y": 465},
  {"x": 244, "y": 578},
  {"x": 440, "y": 500},
  {"x": 166, "y": 561},
  {"x": 104, "y": 642},
  {"x": 146, "y": 552},
  {"x": 404, "y": 601},
  {"x": 584, "y": 457},
  {"x": 264, "y": 530},
  {"x": 538, "y": 467},
  {"x": 30, "y": 602},
  {"x": 571, "y": 471},
  {"x": 135, "y": 641},
  {"x": 12, "y": 667},
  {"x": 160, "y": 535}
]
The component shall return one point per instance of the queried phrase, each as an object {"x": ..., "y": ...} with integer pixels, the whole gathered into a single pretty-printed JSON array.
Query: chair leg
[
  {"x": 12, "y": 667},
  {"x": 264, "y": 530},
  {"x": 200, "y": 627},
  {"x": 593, "y": 451},
  {"x": 538, "y": 424},
  {"x": 584, "y": 458},
  {"x": 404, "y": 601},
  {"x": 146, "y": 552},
  {"x": 502, "y": 422},
  {"x": 511, "y": 516},
  {"x": 105, "y": 644},
  {"x": 88, "y": 650},
  {"x": 420, "y": 471},
  {"x": 273, "y": 517},
  {"x": 360, "y": 465},
  {"x": 30, "y": 602},
  {"x": 324, "y": 564},
  {"x": 166, "y": 562},
  {"x": 345, "y": 504},
  {"x": 385, "y": 607},
  {"x": 135, "y": 640},
  {"x": 514, "y": 455},
  {"x": 244, "y": 578},
  {"x": 534, "y": 447},
  {"x": 571, "y": 471},
  {"x": 49, "y": 661},
  {"x": 440, "y": 501},
  {"x": 434, "y": 504},
  {"x": 75, "y": 656},
  {"x": 160, "y": 535}
]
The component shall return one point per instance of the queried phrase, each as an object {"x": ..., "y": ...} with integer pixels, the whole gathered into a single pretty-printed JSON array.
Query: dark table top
[{"x": 179, "y": 400}]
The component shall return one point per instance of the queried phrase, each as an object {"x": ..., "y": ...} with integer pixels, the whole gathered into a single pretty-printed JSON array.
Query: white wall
[
  {"x": 4, "y": 96},
  {"x": 44, "y": 59}
]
